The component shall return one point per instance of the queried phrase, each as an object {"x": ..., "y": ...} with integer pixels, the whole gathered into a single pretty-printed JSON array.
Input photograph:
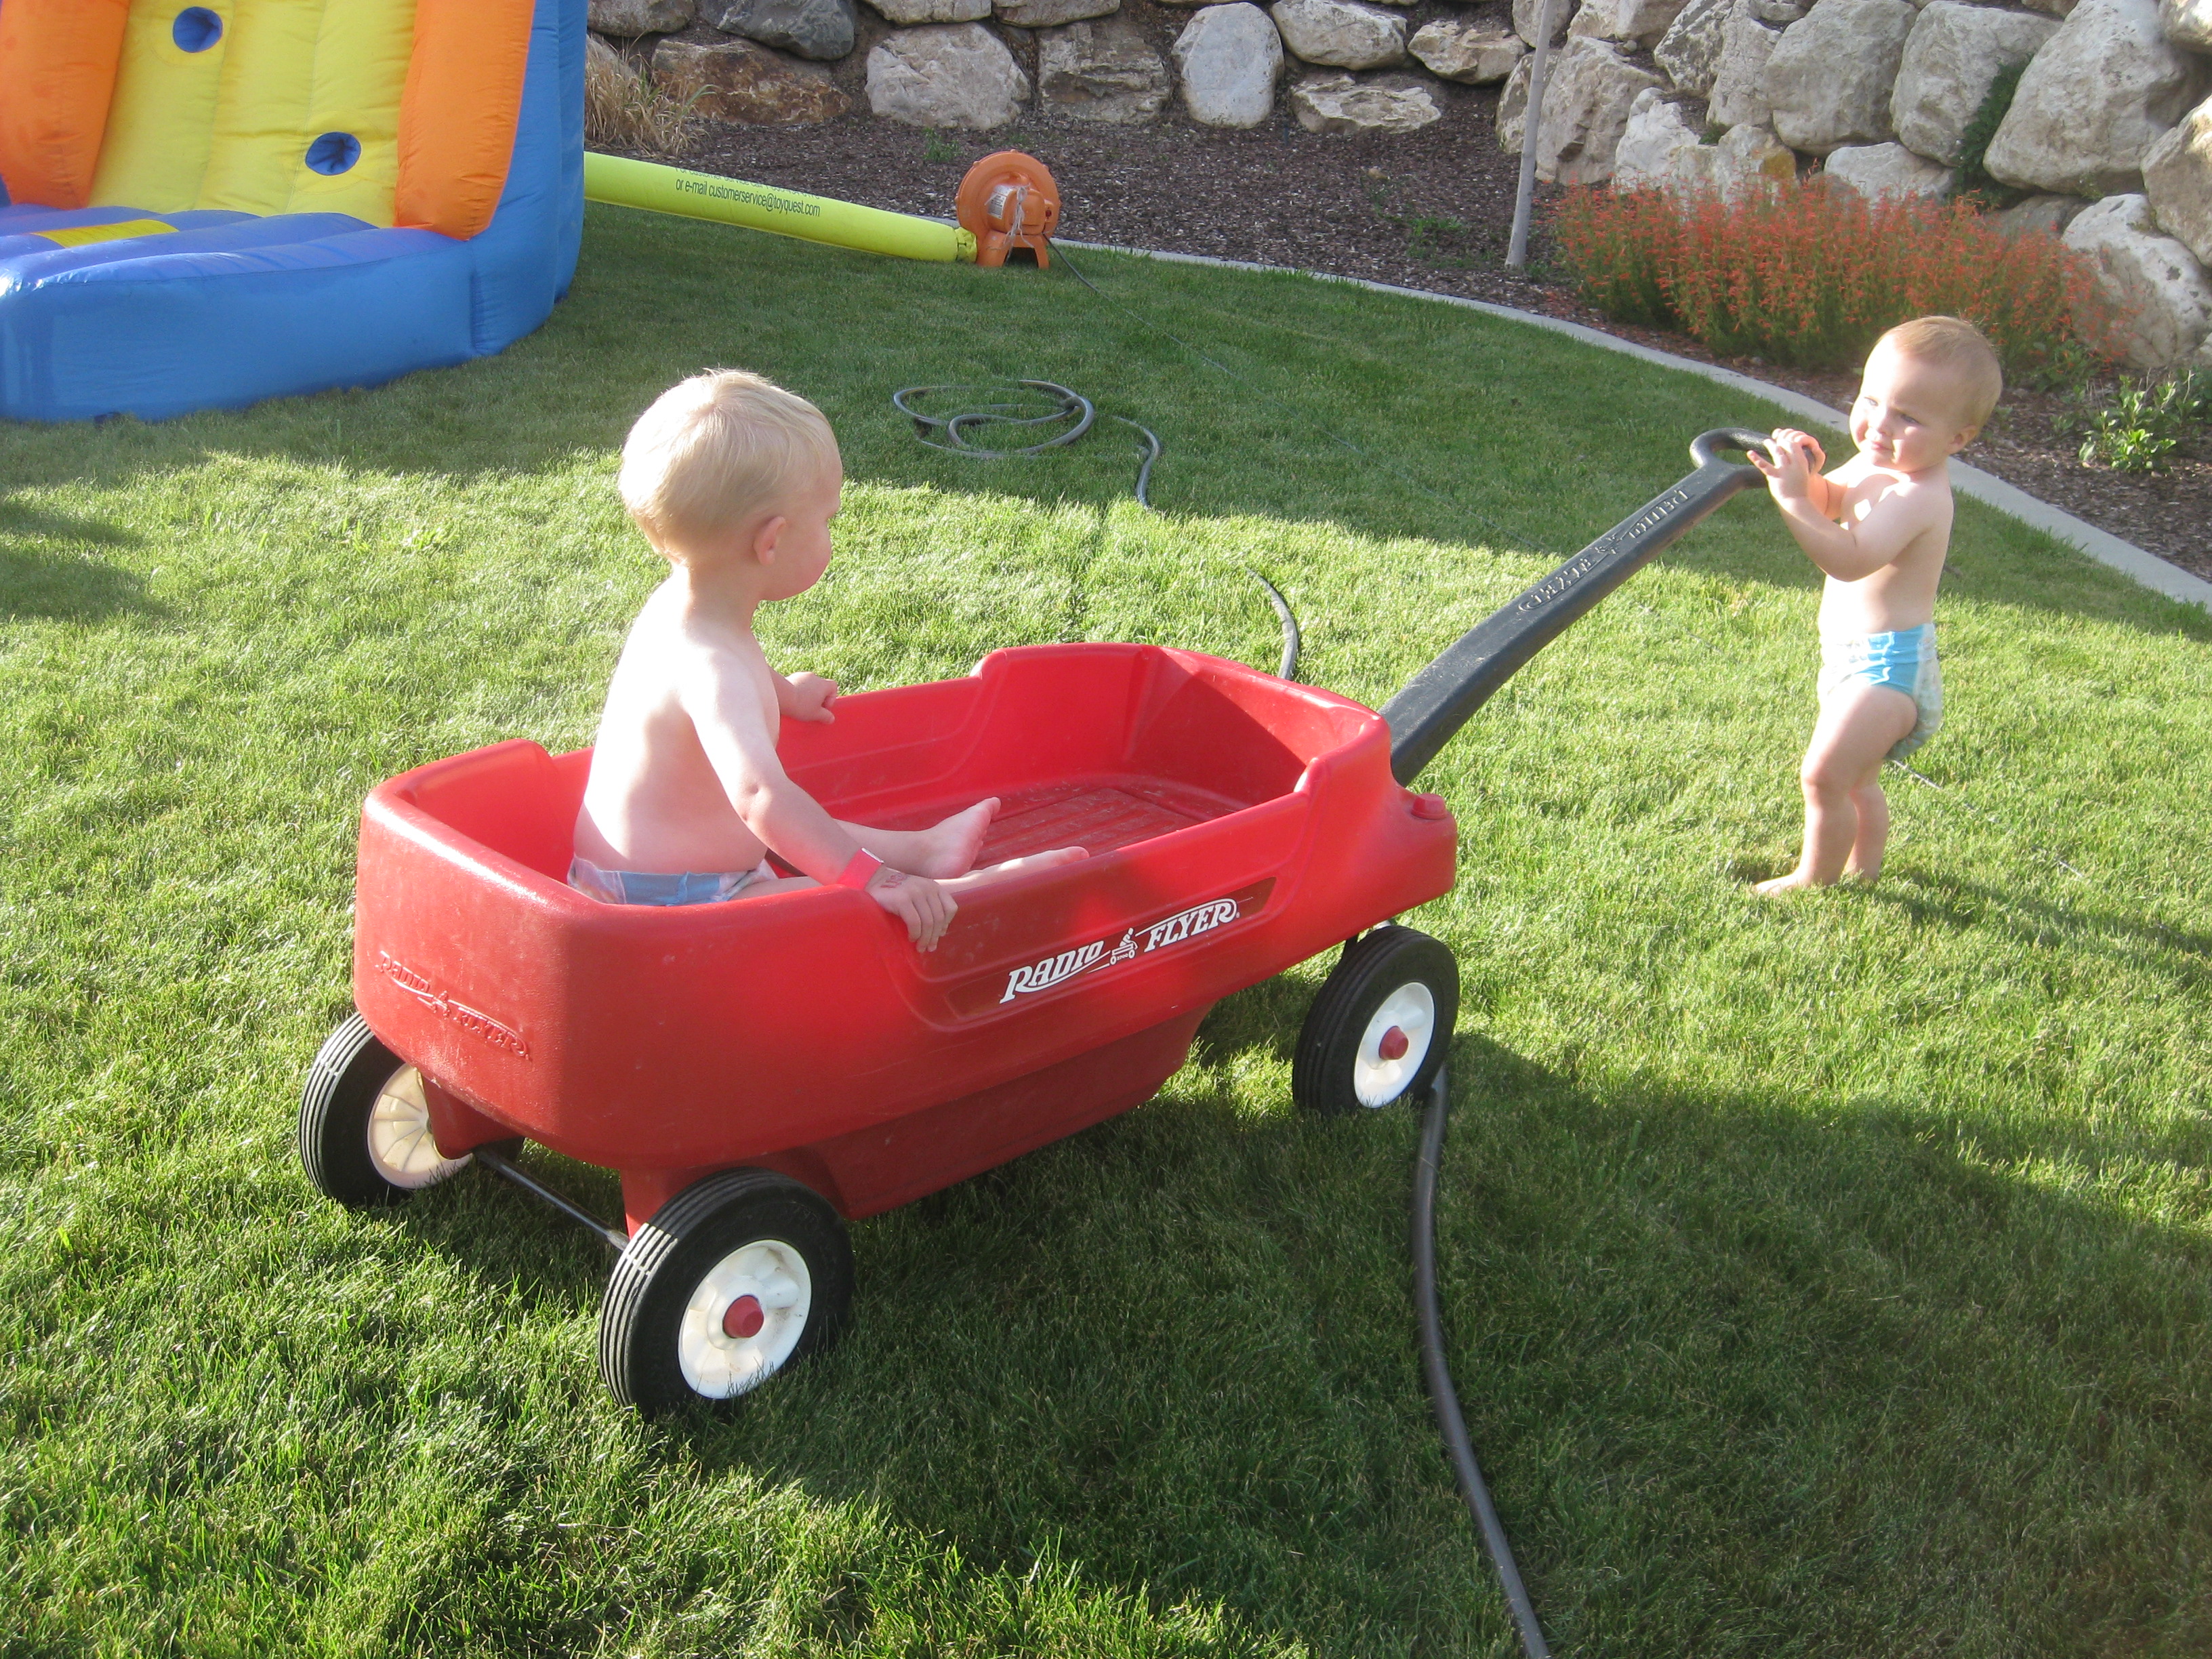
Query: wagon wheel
[
  {"x": 1379, "y": 1027},
  {"x": 364, "y": 1125},
  {"x": 735, "y": 1278}
]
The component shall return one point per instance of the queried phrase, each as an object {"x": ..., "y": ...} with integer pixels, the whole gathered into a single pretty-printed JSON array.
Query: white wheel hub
[
  {"x": 745, "y": 1318},
  {"x": 1394, "y": 1045},
  {"x": 400, "y": 1144}
]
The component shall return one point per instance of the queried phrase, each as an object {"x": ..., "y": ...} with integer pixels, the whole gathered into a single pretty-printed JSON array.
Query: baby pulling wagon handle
[{"x": 1439, "y": 699}]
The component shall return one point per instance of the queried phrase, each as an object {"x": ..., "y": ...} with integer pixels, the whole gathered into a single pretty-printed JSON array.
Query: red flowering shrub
[{"x": 1811, "y": 274}]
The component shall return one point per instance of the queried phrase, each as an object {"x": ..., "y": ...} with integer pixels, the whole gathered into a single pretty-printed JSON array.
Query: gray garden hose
[{"x": 1030, "y": 404}]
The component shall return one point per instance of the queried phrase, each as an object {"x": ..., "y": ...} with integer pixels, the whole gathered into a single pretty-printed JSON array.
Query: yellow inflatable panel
[
  {"x": 83, "y": 234},
  {"x": 259, "y": 105},
  {"x": 160, "y": 121}
]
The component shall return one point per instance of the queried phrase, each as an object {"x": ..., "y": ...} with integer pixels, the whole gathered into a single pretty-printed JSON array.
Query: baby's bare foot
[
  {"x": 1015, "y": 867},
  {"x": 1789, "y": 883},
  {"x": 950, "y": 848}
]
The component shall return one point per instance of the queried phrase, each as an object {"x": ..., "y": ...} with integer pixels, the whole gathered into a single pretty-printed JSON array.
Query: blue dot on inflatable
[
  {"x": 334, "y": 152},
  {"x": 196, "y": 29}
]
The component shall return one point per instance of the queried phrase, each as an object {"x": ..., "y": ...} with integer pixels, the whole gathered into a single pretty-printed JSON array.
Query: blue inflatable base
[{"x": 225, "y": 309}]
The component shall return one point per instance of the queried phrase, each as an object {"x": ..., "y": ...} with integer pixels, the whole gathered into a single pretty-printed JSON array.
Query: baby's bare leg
[
  {"x": 1858, "y": 725},
  {"x": 984, "y": 878},
  {"x": 945, "y": 849},
  {"x": 1865, "y": 862}
]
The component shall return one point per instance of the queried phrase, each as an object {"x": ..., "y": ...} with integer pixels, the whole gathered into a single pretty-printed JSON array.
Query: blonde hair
[
  {"x": 714, "y": 448},
  {"x": 1960, "y": 350}
]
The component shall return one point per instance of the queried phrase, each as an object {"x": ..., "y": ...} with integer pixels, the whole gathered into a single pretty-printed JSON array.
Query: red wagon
[{"x": 759, "y": 1071}]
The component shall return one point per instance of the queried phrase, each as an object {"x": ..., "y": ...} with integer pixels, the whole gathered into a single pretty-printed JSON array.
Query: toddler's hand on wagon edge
[
  {"x": 925, "y": 908},
  {"x": 809, "y": 696}
]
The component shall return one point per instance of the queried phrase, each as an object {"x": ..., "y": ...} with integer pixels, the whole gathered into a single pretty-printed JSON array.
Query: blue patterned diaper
[
  {"x": 658, "y": 887},
  {"x": 1903, "y": 661}
]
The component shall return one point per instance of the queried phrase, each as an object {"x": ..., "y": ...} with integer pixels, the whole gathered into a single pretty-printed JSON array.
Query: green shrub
[
  {"x": 2143, "y": 423},
  {"x": 1972, "y": 182}
]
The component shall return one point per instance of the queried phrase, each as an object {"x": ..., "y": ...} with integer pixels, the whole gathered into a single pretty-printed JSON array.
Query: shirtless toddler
[
  {"x": 734, "y": 482},
  {"x": 1879, "y": 526}
]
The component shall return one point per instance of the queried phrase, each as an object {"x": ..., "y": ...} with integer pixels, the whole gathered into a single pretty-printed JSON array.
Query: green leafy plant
[
  {"x": 2142, "y": 424},
  {"x": 1972, "y": 182},
  {"x": 936, "y": 148}
]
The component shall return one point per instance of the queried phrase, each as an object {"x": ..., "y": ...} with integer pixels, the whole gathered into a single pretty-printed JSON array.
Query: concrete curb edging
[{"x": 2144, "y": 567}]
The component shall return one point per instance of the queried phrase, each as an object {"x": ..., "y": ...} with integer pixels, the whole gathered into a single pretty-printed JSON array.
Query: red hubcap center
[
  {"x": 1393, "y": 1044},
  {"x": 743, "y": 1318}
]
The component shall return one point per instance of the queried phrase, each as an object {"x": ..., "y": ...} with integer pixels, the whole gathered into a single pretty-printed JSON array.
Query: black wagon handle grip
[{"x": 1725, "y": 437}]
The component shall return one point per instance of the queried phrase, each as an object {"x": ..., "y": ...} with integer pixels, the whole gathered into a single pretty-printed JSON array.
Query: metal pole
[{"x": 1516, "y": 251}]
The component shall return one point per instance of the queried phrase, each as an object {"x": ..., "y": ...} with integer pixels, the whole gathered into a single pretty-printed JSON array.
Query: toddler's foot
[
  {"x": 948, "y": 848},
  {"x": 1016, "y": 866},
  {"x": 1794, "y": 882}
]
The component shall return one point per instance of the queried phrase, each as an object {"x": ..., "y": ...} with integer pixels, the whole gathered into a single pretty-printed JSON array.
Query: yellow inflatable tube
[{"x": 623, "y": 183}]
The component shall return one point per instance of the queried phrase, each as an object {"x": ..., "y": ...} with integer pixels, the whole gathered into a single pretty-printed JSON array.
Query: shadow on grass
[
  {"x": 1694, "y": 1333},
  {"x": 1471, "y": 430},
  {"x": 35, "y": 582}
]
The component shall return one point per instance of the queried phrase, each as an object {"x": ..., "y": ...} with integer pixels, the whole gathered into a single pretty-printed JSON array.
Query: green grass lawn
[{"x": 1827, "y": 1278}]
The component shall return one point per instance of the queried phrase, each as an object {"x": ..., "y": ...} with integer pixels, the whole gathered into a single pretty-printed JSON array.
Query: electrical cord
[{"x": 1443, "y": 1396}]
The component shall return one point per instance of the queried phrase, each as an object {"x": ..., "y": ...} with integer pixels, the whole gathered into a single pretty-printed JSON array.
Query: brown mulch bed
[{"x": 1430, "y": 210}]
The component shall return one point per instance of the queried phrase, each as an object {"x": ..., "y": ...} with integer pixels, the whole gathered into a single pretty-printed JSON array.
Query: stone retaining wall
[{"x": 978, "y": 63}]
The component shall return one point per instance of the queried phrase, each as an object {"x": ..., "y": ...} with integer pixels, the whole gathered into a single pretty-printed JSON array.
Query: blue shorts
[
  {"x": 657, "y": 887},
  {"x": 1903, "y": 661}
]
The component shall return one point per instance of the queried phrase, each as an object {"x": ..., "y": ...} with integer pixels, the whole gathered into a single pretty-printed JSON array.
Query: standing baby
[
  {"x": 734, "y": 482},
  {"x": 1879, "y": 526}
]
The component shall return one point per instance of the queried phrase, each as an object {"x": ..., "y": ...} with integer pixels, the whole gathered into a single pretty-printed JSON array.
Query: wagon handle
[{"x": 1438, "y": 700}]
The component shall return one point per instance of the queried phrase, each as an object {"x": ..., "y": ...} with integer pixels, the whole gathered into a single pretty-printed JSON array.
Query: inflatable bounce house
[{"x": 211, "y": 205}]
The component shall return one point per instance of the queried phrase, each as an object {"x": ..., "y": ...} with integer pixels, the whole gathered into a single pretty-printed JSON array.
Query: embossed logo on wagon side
[
  {"x": 1135, "y": 942},
  {"x": 474, "y": 1021}
]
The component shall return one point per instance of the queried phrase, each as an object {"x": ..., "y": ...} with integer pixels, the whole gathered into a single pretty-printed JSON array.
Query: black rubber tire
[
  {"x": 1371, "y": 967},
  {"x": 643, "y": 1313},
  {"x": 348, "y": 1073}
]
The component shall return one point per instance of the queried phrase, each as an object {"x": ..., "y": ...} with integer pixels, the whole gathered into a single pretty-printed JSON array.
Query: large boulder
[
  {"x": 1747, "y": 155},
  {"x": 743, "y": 82},
  {"x": 1389, "y": 103},
  {"x": 1658, "y": 129},
  {"x": 1231, "y": 57},
  {"x": 1630, "y": 22},
  {"x": 627, "y": 18},
  {"x": 1102, "y": 71},
  {"x": 1829, "y": 80},
  {"x": 1466, "y": 51},
  {"x": 1588, "y": 91},
  {"x": 2164, "y": 300},
  {"x": 1951, "y": 55},
  {"x": 908, "y": 13},
  {"x": 1689, "y": 53},
  {"x": 945, "y": 75},
  {"x": 1048, "y": 14},
  {"x": 820, "y": 29},
  {"x": 1877, "y": 171},
  {"x": 2093, "y": 102},
  {"x": 2178, "y": 179},
  {"x": 1527, "y": 14},
  {"x": 1341, "y": 33},
  {"x": 1739, "y": 95},
  {"x": 2048, "y": 215},
  {"x": 2187, "y": 23}
]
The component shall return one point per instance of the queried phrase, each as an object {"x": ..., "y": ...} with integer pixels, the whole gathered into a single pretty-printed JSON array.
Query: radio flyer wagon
[{"x": 763, "y": 1071}]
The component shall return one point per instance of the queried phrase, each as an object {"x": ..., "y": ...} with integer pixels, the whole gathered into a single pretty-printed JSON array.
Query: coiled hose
[{"x": 1026, "y": 405}]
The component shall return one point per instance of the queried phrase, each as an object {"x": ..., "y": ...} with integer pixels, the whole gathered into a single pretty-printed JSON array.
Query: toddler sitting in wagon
[{"x": 734, "y": 482}]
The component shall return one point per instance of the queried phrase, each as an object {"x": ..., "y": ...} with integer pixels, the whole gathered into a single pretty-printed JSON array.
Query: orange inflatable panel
[
  {"x": 58, "y": 61},
  {"x": 457, "y": 118}
]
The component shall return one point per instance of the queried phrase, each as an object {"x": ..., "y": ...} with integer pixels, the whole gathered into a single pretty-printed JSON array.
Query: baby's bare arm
[{"x": 724, "y": 703}]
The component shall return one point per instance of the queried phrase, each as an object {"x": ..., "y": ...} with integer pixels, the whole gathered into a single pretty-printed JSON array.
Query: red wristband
[{"x": 858, "y": 873}]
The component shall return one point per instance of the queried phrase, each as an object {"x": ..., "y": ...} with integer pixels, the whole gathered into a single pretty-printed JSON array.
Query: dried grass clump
[{"x": 624, "y": 110}]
